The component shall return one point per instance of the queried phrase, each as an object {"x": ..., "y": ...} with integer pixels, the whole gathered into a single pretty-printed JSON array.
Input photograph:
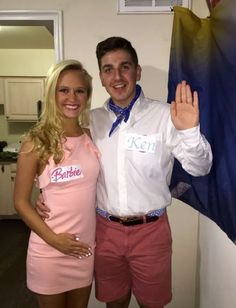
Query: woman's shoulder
[
  {"x": 27, "y": 145},
  {"x": 87, "y": 131}
]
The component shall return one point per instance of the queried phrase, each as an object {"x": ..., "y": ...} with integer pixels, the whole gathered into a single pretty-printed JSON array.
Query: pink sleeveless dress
[{"x": 69, "y": 190}]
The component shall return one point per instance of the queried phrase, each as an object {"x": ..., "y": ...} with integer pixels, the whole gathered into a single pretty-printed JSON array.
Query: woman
[{"x": 58, "y": 152}]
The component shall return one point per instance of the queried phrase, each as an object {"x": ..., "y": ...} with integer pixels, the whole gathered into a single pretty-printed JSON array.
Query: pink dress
[{"x": 69, "y": 190}]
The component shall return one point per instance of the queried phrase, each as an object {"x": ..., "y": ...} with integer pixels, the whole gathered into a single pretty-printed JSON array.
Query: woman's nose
[{"x": 72, "y": 94}]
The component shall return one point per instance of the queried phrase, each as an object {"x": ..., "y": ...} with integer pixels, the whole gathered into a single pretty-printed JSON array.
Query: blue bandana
[{"x": 123, "y": 113}]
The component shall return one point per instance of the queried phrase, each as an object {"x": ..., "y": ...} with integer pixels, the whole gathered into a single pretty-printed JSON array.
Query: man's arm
[{"x": 190, "y": 147}]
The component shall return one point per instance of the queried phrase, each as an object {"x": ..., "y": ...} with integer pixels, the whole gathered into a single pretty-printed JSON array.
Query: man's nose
[{"x": 117, "y": 74}]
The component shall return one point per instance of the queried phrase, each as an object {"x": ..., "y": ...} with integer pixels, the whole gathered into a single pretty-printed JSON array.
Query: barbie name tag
[
  {"x": 66, "y": 173},
  {"x": 141, "y": 143}
]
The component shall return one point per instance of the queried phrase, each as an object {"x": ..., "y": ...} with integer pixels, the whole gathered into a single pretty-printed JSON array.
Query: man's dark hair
[{"x": 115, "y": 43}]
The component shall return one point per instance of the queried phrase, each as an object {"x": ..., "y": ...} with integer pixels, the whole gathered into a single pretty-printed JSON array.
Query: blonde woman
[{"x": 59, "y": 153}]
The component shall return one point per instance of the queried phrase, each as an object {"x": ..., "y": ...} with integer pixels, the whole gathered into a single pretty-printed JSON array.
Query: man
[{"x": 138, "y": 139}]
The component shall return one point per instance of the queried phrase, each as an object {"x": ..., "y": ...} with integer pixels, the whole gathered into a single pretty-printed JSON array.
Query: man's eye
[
  {"x": 107, "y": 70},
  {"x": 125, "y": 67}
]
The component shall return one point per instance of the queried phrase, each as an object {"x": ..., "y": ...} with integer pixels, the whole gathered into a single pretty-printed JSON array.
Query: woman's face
[{"x": 71, "y": 93}]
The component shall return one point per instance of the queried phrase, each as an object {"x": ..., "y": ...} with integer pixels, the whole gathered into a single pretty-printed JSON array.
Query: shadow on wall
[{"x": 154, "y": 83}]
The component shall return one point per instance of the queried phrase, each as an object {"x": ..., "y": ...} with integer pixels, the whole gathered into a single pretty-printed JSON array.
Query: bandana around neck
[{"x": 122, "y": 113}]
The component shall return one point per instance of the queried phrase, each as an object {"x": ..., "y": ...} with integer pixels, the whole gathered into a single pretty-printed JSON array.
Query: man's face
[{"x": 119, "y": 76}]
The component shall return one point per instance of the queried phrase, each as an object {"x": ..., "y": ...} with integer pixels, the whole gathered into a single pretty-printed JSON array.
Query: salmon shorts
[{"x": 136, "y": 258}]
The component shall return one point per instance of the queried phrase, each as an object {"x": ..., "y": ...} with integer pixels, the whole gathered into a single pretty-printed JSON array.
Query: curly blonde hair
[{"x": 48, "y": 135}]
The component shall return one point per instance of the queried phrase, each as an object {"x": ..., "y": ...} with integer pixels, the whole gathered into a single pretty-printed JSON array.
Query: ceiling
[{"x": 26, "y": 34}]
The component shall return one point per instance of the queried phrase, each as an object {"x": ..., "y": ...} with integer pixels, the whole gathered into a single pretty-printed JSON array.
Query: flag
[
  {"x": 212, "y": 3},
  {"x": 203, "y": 52}
]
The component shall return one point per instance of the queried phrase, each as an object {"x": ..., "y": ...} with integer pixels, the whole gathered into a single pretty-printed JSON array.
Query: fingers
[
  {"x": 71, "y": 245},
  {"x": 41, "y": 208},
  {"x": 81, "y": 254},
  {"x": 184, "y": 94},
  {"x": 40, "y": 203},
  {"x": 188, "y": 95},
  {"x": 81, "y": 251},
  {"x": 178, "y": 93},
  {"x": 195, "y": 99},
  {"x": 42, "y": 214},
  {"x": 173, "y": 110}
]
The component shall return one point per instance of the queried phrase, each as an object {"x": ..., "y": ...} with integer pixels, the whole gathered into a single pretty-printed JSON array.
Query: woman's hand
[{"x": 70, "y": 244}]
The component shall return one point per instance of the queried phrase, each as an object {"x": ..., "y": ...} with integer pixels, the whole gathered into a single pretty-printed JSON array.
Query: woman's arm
[{"x": 27, "y": 168}]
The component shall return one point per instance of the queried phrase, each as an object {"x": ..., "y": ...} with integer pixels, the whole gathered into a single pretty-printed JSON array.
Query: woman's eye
[
  {"x": 79, "y": 91},
  {"x": 67, "y": 91},
  {"x": 64, "y": 90}
]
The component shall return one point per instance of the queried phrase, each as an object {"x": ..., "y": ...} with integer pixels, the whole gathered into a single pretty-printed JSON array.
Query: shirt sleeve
[{"x": 192, "y": 150}]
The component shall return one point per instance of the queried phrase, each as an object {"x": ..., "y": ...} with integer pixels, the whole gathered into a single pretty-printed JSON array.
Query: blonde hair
[{"x": 48, "y": 135}]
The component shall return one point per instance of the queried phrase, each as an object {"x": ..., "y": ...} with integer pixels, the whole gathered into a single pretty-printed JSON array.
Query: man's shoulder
[
  {"x": 99, "y": 115},
  {"x": 98, "y": 111},
  {"x": 156, "y": 104}
]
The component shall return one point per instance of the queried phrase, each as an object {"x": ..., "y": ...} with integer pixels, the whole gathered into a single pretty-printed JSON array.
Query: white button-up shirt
[{"x": 137, "y": 160}]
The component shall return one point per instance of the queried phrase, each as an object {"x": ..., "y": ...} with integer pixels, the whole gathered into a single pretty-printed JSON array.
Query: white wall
[
  {"x": 15, "y": 62},
  {"x": 184, "y": 225},
  {"x": 85, "y": 24},
  {"x": 217, "y": 267}
]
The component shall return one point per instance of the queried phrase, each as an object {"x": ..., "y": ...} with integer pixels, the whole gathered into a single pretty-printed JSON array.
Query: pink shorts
[{"x": 136, "y": 258}]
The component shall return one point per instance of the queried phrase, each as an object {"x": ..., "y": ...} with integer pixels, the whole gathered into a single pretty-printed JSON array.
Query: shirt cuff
[{"x": 190, "y": 136}]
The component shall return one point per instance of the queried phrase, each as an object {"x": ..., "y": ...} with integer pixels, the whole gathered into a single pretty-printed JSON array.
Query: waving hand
[{"x": 185, "y": 110}]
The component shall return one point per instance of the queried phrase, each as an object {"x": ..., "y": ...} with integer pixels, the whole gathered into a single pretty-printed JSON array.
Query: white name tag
[
  {"x": 66, "y": 173},
  {"x": 141, "y": 143}
]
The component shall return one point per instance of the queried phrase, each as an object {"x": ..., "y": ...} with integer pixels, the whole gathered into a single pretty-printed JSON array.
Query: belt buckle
[
  {"x": 127, "y": 219},
  {"x": 109, "y": 217},
  {"x": 124, "y": 220}
]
